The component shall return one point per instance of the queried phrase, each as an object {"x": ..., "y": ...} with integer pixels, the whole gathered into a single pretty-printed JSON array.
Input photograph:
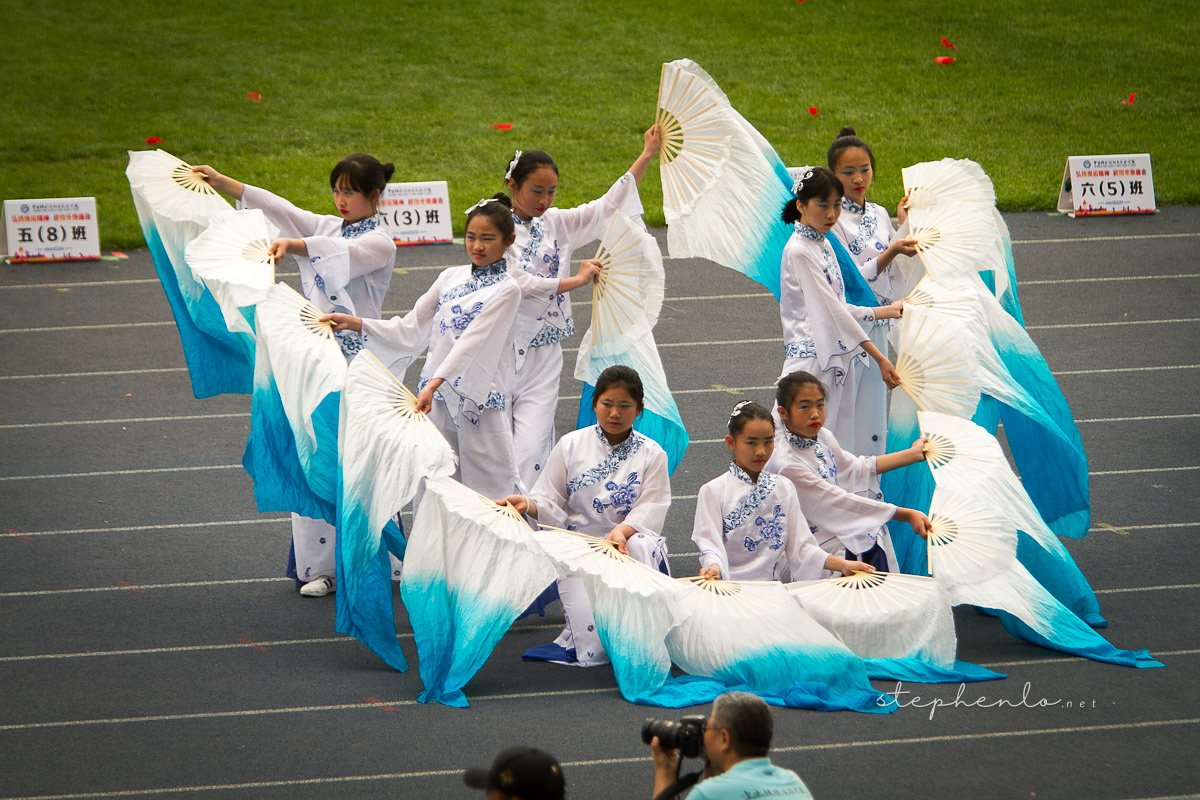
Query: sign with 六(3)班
[{"x": 416, "y": 213}]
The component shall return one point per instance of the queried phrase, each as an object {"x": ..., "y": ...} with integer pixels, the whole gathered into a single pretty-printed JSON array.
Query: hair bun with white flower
[{"x": 808, "y": 173}]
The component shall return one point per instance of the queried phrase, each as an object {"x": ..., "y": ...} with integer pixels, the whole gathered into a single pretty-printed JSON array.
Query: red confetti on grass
[
  {"x": 1129, "y": 101},
  {"x": 502, "y": 126},
  {"x": 943, "y": 60},
  {"x": 24, "y": 537},
  {"x": 375, "y": 701},
  {"x": 949, "y": 44},
  {"x": 813, "y": 110},
  {"x": 153, "y": 139},
  {"x": 131, "y": 587},
  {"x": 258, "y": 648},
  {"x": 255, "y": 96}
]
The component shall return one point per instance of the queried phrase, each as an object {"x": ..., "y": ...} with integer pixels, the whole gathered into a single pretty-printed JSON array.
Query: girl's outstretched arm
[
  {"x": 652, "y": 136},
  {"x": 901, "y": 458}
]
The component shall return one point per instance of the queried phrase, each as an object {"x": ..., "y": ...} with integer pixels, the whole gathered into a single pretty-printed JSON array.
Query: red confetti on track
[
  {"x": 131, "y": 587},
  {"x": 375, "y": 701},
  {"x": 947, "y": 43},
  {"x": 813, "y": 110},
  {"x": 944, "y": 60},
  {"x": 24, "y": 537},
  {"x": 258, "y": 648},
  {"x": 153, "y": 139}
]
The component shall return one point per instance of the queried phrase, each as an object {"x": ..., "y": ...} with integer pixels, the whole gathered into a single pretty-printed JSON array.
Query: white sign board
[
  {"x": 1101, "y": 185},
  {"x": 416, "y": 213},
  {"x": 56, "y": 229}
]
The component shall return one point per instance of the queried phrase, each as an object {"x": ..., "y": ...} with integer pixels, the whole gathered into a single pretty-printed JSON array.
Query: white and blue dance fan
[
  {"x": 723, "y": 186},
  {"x": 936, "y": 365},
  {"x": 883, "y": 615},
  {"x": 232, "y": 257},
  {"x": 752, "y": 636},
  {"x": 953, "y": 241},
  {"x": 626, "y": 299},
  {"x": 634, "y": 606},
  {"x": 965, "y": 458},
  {"x": 471, "y": 567},
  {"x": 973, "y": 557},
  {"x": 299, "y": 371},
  {"x": 174, "y": 205},
  {"x": 386, "y": 447}
]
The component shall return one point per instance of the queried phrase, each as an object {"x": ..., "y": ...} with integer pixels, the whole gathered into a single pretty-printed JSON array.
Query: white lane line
[
  {"x": 1142, "y": 471},
  {"x": 1135, "y": 419},
  {"x": 108, "y": 473},
  {"x": 1055, "y": 281},
  {"x": 257, "y": 712},
  {"x": 1067, "y": 659},
  {"x": 622, "y": 761},
  {"x": 1113, "y": 324},
  {"x": 137, "y": 587},
  {"x": 1168, "y": 588},
  {"x": 194, "y": 648},
  {"x": 1130, "y": 237},
  {"x": 1125, "y": 369},
  {"x": 220, "y": 523},
  {"x": 128, "y": 420},
  {"x": 104, "y": 326},
  {"x": 98, "y": 374}
]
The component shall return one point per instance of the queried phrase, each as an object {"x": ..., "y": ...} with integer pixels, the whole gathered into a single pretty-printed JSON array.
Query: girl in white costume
[
  {"x": 828, "y": 479},
  {"x": 749, "y": 526},
  {"x": 821, "y": 333},
  {"x": 546, "y": 237},
  {"x": 465, "y": 321},
  {"x": 866, "y": 230},
  {"x": 346, "y": 263},
  {"x": 610, "y": 481}
]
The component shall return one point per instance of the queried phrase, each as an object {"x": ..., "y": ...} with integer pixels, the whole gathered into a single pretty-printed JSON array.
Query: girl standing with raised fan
[
  {"x": 749, "y": 526},
  {"x": 865, "y": 229},
  {"x": 545, "y": 238},
  {"x": 346, "y": 264},
  {"x": 465, "y": 321},
  {"x": 823, "y": 334},
  {"x": 829, "y": 480},
  {"x": 610, "y": 481}
]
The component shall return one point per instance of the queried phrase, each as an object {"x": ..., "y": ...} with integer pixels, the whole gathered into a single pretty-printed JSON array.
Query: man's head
[
  {"x": 740, "y": 726},
  {"x": 519, "y": 772}
]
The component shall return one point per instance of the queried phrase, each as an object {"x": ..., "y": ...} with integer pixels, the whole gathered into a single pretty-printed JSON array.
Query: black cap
[{"x": 525, "y": 772}]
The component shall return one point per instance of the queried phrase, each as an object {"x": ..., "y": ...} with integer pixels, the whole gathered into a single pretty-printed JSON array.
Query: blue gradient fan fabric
[{"x": 470, "y": 569}]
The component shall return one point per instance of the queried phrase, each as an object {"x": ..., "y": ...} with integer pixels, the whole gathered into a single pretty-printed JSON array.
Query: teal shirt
[{"x": 751, "y": 779}]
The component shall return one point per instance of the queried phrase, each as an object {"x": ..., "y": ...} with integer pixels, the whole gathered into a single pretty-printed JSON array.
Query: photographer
[{"x": 736, "y": 738}]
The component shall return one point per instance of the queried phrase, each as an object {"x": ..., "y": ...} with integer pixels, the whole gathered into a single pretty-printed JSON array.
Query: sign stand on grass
[{"x": 1107, "y": 185}]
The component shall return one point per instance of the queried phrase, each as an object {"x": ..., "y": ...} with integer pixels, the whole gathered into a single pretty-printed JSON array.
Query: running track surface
[{"x": 149, "y": 648}]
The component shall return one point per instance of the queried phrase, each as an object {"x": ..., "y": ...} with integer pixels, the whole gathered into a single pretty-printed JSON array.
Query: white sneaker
[{"x": 320, "y": 587}]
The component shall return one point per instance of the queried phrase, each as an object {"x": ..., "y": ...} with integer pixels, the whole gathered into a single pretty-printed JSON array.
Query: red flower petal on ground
[
  {"x": 943, "y": 60},
  {"x": 255, "y": 96},
  {"x": 947, "y": 43},
  {"x": 1132, "y": 97},
  {"x": 153, "y": 139},
  {"x": 502, "y": 126},
  {"x": 813, "y": 110}
]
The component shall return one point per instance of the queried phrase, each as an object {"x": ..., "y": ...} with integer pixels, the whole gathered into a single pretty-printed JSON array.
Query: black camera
[{"x": 686, "y": 735}]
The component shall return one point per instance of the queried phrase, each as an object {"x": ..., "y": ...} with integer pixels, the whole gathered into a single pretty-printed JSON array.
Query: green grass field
[{"x": 421, "y": 83}]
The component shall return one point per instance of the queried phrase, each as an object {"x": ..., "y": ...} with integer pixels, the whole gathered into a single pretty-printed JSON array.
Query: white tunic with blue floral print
[
  {"x": 465, "y": 321},
  {"x": 867, "y": 231},
  {"x": 349, "y": 266},
  {"x": 826, "y": 478},
  {"x": 755, "y": 530},
  {"x": 591, "y": 486}
]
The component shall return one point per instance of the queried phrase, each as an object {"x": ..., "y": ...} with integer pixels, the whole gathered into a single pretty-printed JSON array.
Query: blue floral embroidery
[
  {"x": 808, "y": 233},
  {"x": 350, "y": 342},
  {"x": 851, "y": 206},
  {"x": 866, "y": 232},
  {"x": 750, "y": 502},
  {"x": 826, "y": 465},
  {"x": 770, "y": 530},
  {"x": 496, "y": 400},
  {"x": 537, "y": 232},
  {"x": 480, "y": 278},
  {"x": 833, "y": 273},
  {"x": 549, "y": 334},
  {"x": 461, "y": 319},
  {"x": 319, "y": 281},
  {"x": 622, "y": 452},
  {"x": 801, "y": 348},
  {"x": 622, "y": 497},
  {"x": 353, "y": 230}
]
